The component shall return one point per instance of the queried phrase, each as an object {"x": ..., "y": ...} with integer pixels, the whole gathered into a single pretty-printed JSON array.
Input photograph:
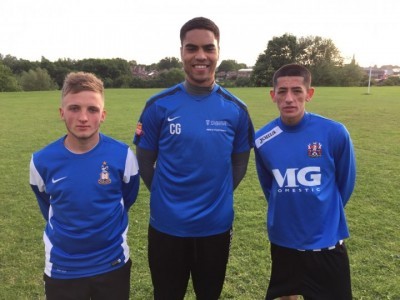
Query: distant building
[
  {"x": 140, "y": 71},
  {"x": 233, "y": 75},
  {"x": 376, "y": 74},
  {"x": 244, "y": 73},
  {"x": 396, "y": 72}
]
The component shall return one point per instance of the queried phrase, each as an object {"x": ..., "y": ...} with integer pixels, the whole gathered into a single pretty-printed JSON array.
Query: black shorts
[
  {"x": 110, "y": 285},
  {"x": 321, "y": 274},
  {"x": 173, "y": 260}
]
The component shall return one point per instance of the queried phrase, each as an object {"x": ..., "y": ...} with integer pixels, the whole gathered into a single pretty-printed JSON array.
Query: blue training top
[
  {"x": 307, "y": 173},
  {"x": 85, "y": 200},
  {"x": 195, "y": 136}
]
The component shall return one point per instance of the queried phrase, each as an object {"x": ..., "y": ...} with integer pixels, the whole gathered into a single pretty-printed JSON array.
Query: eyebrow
[
  {"x": 291, "y": 88},
  {"x": 189, "y": 45}
]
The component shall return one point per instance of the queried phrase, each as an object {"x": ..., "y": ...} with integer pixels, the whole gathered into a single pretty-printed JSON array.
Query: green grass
[{"x": 29, "y": 121}]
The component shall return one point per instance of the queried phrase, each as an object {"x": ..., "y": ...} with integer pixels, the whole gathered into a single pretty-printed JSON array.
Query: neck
[
  {"x": 198, "y": 90},
  {"x": 293, "y": 121},
  {"x": 80, "y": 146}
]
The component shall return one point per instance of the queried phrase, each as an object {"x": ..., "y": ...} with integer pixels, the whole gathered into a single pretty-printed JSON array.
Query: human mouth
[
  {"x": 200, "y": 67},
  {"x": 289, "y": 108},
  {"x": 82, "y": 127}
]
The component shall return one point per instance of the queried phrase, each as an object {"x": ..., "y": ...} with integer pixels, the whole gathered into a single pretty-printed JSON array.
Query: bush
[
  {"x": 243, "y": 82},
  {"x": 8, "y": 83},
  {"x": 391, "y": 81},
  {"x": 37, "y": 80}
]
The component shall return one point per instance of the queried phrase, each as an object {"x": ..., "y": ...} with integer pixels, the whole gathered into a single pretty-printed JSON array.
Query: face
[
  {"x": 291, "y": 95},
  {"x": 82, "y": 113},
  {"x": 200, "y": 54}
]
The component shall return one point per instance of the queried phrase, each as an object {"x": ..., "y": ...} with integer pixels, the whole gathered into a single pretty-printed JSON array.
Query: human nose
[
  {"x": 83, "y": 116},
  {"x": 289, "y": 97},
  {"x": 200, "y": 54}
]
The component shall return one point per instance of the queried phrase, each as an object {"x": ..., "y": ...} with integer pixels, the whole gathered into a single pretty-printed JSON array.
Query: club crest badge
[
  {"x": 104, "y": 175},
  {"x": 314, "y": 150},
  {"x": 139, "y": 131}
]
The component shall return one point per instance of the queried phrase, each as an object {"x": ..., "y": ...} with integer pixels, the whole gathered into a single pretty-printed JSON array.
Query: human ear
[
  {"x": 310, "y": 94},
  {"x": 272, "y": 94},
  {"x": 61, "y": 111}
]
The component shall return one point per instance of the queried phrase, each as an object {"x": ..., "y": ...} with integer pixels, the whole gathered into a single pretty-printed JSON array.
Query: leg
[
  {"x": 66, "y": 289},
  {"x": 169, "y": 265},
  {"x": 112, "y": 285},
  {"x": 209, "y": 266},
  {"x": 328, "y": 275},
  {"x": 286, "y": 274}
]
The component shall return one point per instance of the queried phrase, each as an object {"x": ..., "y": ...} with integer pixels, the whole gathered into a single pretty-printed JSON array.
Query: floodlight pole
[{"x": 369, "y": 80}]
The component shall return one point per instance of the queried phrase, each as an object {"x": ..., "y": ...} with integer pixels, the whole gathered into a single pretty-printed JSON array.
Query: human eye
[
  {"x": 190, "y": 48},
  {"x": 298, "y": 91},
  {"x": 281, "y": 92},
  {"x": 94, "y": 109},
  {"x": 73, "y": 108},
  {"x": 210, "y": 48}
]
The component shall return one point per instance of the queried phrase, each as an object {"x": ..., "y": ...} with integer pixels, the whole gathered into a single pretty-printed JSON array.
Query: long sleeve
[
  {"x": 264, "y": 175},
  {"x": 146, "y": 160},
  {"x": 345, "y": 164},
  {"x": 239, "y": 167},
  {"x": 130, "y": 186},
  {"x": 39, "y": 189}
]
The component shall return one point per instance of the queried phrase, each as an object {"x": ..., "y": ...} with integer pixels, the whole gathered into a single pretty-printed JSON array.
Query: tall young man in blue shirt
[
  {"x": 85, "y": 183},
  {"x": 306, "y": 167},
  {"x": 193, "y": 144}
]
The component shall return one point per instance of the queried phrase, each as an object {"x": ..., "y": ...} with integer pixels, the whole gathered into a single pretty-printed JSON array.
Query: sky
[{"x": 148, "y": 30}]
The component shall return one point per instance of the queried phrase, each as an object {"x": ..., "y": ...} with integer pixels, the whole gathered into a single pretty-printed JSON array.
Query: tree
[
  {"x": 259, "y": 75},
  {"x": 351, "y": 74},
  {"x": 60, "y": 70},
  {"x": 280, "y": 51},
  {"x": 122, "y": 82},
  {"x": 171, "y": 77},
  {"x": 391, "y": 81},
  {"x": 37, "y": 80},
  {"x": 321, "y": 57},
  {"x": 107, "y": 69},
  {"x": 8, "y": 83},
  {"x": 318, "y": 54},
  {"x": 16, "y": 65},
  {"x": 243, "y": 82},
  {"x": 230, "y": 65},
  {"x": 168, "y": 63}
]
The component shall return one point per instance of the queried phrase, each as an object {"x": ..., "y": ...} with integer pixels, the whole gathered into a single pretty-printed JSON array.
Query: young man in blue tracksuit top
[
  {"x": 306, "y": 168},
  {"x": 193, "y": 144},
  {"x": 85, "y": 183}
]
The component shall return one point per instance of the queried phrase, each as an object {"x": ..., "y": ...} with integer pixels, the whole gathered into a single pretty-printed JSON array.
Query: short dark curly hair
[
  {"x": 293, "y": 70},
  {"x": 199, "y": 23}
]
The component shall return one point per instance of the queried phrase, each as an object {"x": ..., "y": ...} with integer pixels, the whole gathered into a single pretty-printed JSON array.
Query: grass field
[{"x": 29, "y": 121}]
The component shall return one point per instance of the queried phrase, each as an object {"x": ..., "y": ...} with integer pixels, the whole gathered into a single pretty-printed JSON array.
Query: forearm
[
  {"x": 146, "y": 160},
  {"x": 239, "y": 167}
]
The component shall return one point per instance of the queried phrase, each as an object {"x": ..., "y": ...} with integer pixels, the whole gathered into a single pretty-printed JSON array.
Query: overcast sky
[{"x": 148, "y": 30}]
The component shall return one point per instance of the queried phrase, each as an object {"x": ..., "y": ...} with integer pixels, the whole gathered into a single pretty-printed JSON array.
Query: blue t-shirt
[
  {"x": 307, "y": 173},
  {"x": 85, "y": 200},
  {"x": 195, "y": 136}
]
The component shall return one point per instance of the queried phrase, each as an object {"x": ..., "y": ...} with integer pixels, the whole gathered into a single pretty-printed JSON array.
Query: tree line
[
  {"x": 24, "y": 75},
  {"x": 320, "y": 55}
]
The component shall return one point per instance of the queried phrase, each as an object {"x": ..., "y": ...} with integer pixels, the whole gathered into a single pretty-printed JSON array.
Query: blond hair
[{"x": 76, "y": 82}]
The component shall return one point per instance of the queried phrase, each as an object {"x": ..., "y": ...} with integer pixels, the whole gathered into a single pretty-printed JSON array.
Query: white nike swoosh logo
[
  {"x": 58, "y": 179},
  {"x": 171, "y": 119}
]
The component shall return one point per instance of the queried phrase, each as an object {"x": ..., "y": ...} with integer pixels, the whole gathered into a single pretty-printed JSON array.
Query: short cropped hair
[
  {"x": 199, "y": 23},
  {"x": 293, "y": 70},
  {"x": 76, "y": 82}
]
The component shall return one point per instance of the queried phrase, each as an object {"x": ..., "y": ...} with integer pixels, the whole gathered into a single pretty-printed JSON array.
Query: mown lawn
[{"x": 29, "y": 121}]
